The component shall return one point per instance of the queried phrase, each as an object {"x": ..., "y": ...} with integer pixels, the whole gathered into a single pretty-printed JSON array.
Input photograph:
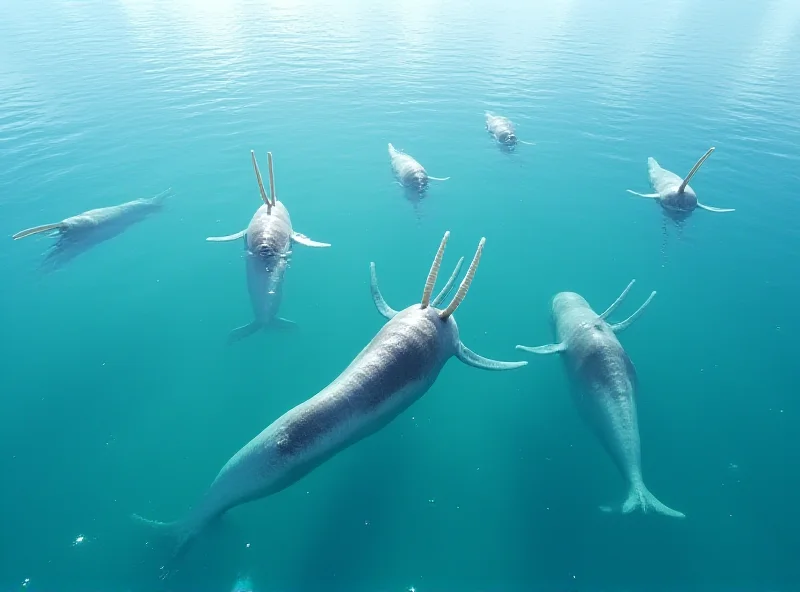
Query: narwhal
[
  {"x": 674, "y": 194},
  {"x": 267, "y": 242},
  {"x": 80, "y": 233},
  {"x": 409, "y": 172},
  {"x": 395, "y": 369},
  {"x": 502, "y": 130},
  {"x": 604, "y": 386}
]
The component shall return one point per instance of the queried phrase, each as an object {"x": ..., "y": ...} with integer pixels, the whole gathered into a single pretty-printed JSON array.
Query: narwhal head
[
  {"x": 419, "y": 180},
  {"x": 423, "y": 329},
  {"x": 565, "y": 301},
  {"x": 507, "y": 137},
  {"x": 683, "y": 199}
]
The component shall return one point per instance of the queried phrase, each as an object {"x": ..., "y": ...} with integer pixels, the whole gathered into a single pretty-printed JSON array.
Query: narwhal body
[
  {"x": 410, "y": 173},
  {"x": 267, "y": 241},
  {"x": 395, "y": 369},
  {"x": 502, "y": 130},
  {"x": 78, "y": 234},
  {"x": 674, "y": 194},
  {"x": 604, "y": 386}
]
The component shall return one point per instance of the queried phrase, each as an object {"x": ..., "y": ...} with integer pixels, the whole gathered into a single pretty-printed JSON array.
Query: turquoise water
[{"x": 120, "y": 394}]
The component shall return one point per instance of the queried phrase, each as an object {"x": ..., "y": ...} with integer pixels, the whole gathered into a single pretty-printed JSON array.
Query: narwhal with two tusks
[
  {"x": 77, "y": 234},
  {"x": 502, "y": 130},
  {"x": 395, "y": 369},
  {"x": 267, "y": 241},
  {"x": 674, "y": 194},
  {"x": 604, "y": 386}
]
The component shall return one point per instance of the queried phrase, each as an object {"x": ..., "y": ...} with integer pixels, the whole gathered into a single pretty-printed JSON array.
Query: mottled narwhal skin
[
  {"x": 409, "y": 172},
  {"x": 604, "y": 387},
  {"x": 78, "y": 234},
  {"x": 395, "y": 369},
  {"x": 268, "y": 239},
  {"x": 674, "y": 194}
]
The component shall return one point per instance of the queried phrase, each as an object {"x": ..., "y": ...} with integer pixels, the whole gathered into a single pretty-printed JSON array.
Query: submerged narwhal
[
  {"x": 267, "y": 242},
  {"x": 604, "y": 386},
  {"x": 77, "y": 234},
  {"x": 395, "y": 369}
]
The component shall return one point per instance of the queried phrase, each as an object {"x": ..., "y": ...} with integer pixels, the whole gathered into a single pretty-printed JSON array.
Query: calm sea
[{"x": 120, "y": 394}]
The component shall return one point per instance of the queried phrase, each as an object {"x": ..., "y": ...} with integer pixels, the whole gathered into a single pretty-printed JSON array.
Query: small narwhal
[
  {"x": 410, "y": 173},
  {"x": 502, "y": 130},
  {"x": 78, "y": 234},
  {"x": 674, "y": 194},
  {"x": 267, "y": 241},
  {"x": 393, "y": 371}
]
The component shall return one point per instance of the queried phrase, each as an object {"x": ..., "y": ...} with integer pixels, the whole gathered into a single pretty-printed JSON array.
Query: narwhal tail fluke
[
  {"x": 178, "y": 534},
  {"x": 640, "y": 498},
  {"x": 244, "y": 331},
  {"x": 160, "y": 198}
]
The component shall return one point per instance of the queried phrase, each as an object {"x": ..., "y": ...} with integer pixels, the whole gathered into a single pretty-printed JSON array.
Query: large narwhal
[
  {"x": 604, "y": 386},
  {"x": 395, "y": 369},
  {"x": 267, "y": 242},
  {"x": 77, "y": 234}
]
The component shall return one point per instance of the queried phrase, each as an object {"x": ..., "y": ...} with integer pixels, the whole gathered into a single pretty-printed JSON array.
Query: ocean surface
[{"x": 120, "y": 394}]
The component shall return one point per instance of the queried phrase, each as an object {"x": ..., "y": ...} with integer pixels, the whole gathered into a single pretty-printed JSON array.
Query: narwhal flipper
[
  {"x": 304, "y": 240},
  {"x": 713, "y": 209},
  {"x": 642, "y": 194},
  {"x": 226, "y": 239},
  {"x": 552, "y": 348},
  {"x": 37, "y": 230},
  {"x": 470, "y": 358},
  {"x": 640, "y": 498}
]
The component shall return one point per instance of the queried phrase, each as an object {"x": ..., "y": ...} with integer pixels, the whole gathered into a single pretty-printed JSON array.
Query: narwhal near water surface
[
  {"x": 409, "y": 172},
  {"x": 395, "y": 369},
  {"x": 267, "y": 241},
  {"x": 78, "y": 234},
  {"x": 674, "y": 194},
  {"x": 502, "y": 130},
  {"x": 604, "y": 386}
]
